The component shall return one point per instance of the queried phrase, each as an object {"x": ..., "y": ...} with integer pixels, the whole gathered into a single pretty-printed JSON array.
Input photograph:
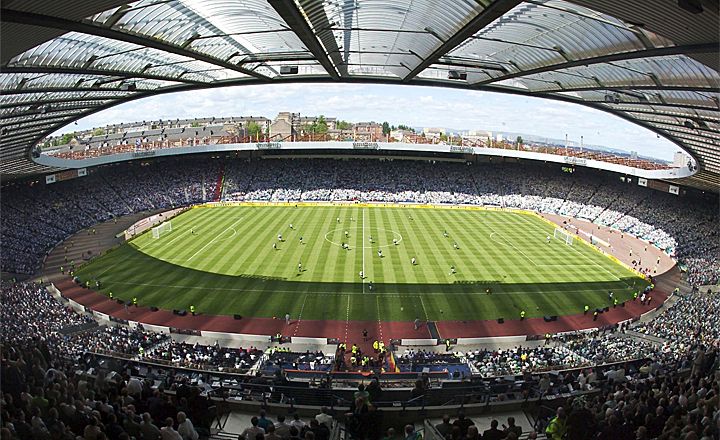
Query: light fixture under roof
[{"x": 456, "y": 74}]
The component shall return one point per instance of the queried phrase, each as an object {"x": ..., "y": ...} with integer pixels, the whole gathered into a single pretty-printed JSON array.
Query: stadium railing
[{"x": 241, "y": 388}]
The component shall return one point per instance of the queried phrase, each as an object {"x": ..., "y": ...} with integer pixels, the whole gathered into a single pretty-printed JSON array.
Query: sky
[{"x": 410, "y": 105}]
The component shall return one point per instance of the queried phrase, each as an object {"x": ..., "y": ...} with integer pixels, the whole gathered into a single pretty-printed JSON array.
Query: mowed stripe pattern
[{"x": 222, "y": 260}]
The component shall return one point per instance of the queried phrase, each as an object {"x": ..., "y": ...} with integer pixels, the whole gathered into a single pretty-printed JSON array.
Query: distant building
[
  {"x": 401, "y": 135},
  {"x": 340, "y": 135},
  {"x": 680, "y": 159},
  {"x": 476, "y": 136},
  {"x": 309, "y": 120},
  {"x": 368, "y": 131},
  {"x": 484, "y": 134},
  {"x": 284, "y": 126},
  {"x": 433, "y": 132},
  {"x": 243, "y": 122}
]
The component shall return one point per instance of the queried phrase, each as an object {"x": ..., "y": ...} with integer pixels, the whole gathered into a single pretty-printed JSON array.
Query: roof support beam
[
  {"x": 323, "y": 30},
  {"x": 13, "y": 16},
  {"x": 91, "y": 71},
  {"x": 647, "y": 53},
  {"x": 19, "y": 139},
  {"x": 31, "y": 126},
  {"x": 649, "y": 104},
  {"x": 699, "y": 137},
  {"x": 497, "y": 9},
  {"x": 288, "y": 10},
  {"x": 60, "y": 100},
  {"x": 673, "y": 115},
  {"x": 37, "y": 112},
  {"x": 653, "y": 87},
  {"x": 679, "y": 123},
  {"x": 68, "y": 89}
]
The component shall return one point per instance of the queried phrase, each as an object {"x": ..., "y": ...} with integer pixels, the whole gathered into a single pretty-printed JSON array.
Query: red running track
[{"x": 351, "y": 331}]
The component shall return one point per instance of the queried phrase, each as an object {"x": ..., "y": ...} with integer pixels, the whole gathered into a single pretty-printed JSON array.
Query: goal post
[
  {"x": 564, "y": 236},
  {"x": 163, "y": 228}
]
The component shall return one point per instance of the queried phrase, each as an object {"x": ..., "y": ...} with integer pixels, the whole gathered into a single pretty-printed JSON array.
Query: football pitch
[{"x": 469, "y": 265}]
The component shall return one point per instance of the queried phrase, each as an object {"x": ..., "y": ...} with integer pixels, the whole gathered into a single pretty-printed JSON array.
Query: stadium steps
[
  {"x": 434, "y": 332},
  {"x": 566, "y": 196},
  {"x": 109, "y": 184},
  {"x": 220, "y": 184},
  {"x": 592, "y": 196},
  {"x": 224, "y": 436},
  {"x": 606, "y": 208},
  {"x": 569, "y": 191},
  {"x": 643, "y": 336},
  {"x": 626, "y": 213}
]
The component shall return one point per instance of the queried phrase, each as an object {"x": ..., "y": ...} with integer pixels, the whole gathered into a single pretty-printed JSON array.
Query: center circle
[{"x": 396, "y": 235}]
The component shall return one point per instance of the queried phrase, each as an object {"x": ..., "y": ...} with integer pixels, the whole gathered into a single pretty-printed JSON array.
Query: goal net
[
  {"x": 564, "y": 236},
  {"x": 157, "y": 231}
]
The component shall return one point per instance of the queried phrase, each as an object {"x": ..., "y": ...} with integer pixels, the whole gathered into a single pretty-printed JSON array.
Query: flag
[{"x": 392, "y": 366}]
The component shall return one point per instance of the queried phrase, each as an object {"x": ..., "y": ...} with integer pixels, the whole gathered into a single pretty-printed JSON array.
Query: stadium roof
[{"x": 653, "y": 62}]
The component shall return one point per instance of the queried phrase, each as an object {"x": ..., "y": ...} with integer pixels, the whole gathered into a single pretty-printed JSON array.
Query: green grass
[{"x": 229, "y": 265}]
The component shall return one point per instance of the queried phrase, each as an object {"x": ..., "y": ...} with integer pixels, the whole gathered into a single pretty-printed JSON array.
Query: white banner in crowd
[
  {"x": 642, "y": 181},
  {"x": 672, "y": 189},
  {"x": 50, "y": 178}
]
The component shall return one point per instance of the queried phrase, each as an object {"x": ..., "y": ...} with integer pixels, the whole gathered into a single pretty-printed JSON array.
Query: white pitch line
[
  {"x": 362, "y": 281},
  {"x": 112, "y": 266},
  {"x": 347, "y": 320},
  {"x": 302, "y": 307},
  {"x": 321, "y": 293},
  {"x": 180, "y": 235},
  {"x": 216, "y": 237},
  {"x": 395, "y": 233},
  {"x": 422, "y": 303},
  {"x": 380, "y": 333},
  {"x": 504, "y": 241},
  {"x": 596, "y": 264}
]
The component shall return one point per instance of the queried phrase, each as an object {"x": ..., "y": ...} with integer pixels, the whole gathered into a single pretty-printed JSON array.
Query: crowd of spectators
[
  {"x": 181, "y": 354},
  {"x": 682, "y": 226},
  {"x": 115, "y": 339},
  {"x": 426, "y": 360},
  {"x": 694, "y": 317},
  {"x": 613, "y": 347},
  {"x": 28, "y": 312},
  {"x": 316, "y": 428},
  {"x": 37, "y": 216},
  {"x": 45, "y": 397},
  {"x": 516, "y": 361},
  {"x": 666, "y": 404},
  {"x": 278, "y": 359}
]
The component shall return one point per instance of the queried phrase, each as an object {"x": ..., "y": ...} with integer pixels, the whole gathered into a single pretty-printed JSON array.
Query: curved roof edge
[{"x": 652, "y": 62}]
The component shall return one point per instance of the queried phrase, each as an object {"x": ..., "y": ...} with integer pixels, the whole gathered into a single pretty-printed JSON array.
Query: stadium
[{"x": 301, "y": 276}]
